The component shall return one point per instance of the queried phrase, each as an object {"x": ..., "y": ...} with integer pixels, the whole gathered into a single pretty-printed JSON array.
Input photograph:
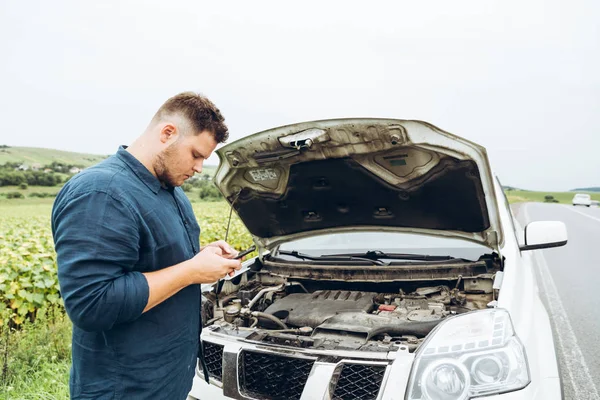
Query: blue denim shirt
[{"x": 111, "y": 223}]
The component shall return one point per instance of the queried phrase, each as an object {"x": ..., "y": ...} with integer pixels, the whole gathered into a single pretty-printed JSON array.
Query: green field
[
  {"x": 516, "y": 196},
  {"x": 193, "y": 194},
  {"x": 31, "y": 155},
  {"x": 25, "y": 208},
  {"x": 31, "y": 189}
]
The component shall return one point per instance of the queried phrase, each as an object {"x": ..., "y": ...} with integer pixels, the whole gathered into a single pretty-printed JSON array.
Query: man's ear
[{"x": 168, "y": 133}]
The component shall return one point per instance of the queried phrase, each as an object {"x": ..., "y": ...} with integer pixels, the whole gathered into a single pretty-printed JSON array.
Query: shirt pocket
[
  {"x": 157, "y": 228},
  {"x": 163, "y": 241}
]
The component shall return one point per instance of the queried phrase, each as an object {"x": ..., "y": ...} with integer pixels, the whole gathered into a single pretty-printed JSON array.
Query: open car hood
[{"x": 359, "y": 174}]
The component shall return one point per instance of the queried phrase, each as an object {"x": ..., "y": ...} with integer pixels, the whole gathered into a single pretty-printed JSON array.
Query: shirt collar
[{"x": 138, "y": 169}]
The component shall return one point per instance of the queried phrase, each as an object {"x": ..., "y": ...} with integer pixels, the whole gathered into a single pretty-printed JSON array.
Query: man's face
[{"x": 183, "y": 158}]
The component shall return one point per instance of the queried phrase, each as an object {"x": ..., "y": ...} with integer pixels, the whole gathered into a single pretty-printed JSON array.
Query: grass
[
  {"x": 31, "y": 155},
  {"x": 31, "y": 189},
  {"x": 26, "y": 207},
  {"x": 38, "y": 359},
  {"x": 30, "y": 205},
  {"x": 515, "y": 196}
]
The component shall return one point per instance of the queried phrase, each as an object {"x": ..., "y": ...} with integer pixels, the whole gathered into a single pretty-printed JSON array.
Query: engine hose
[
  {"x": 270, "y": 317},
  {"x": 418, "y": 329},
  {"x": 259, "y": 295}
]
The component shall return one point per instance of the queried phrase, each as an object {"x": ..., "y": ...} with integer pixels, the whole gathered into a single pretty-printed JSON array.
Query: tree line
[
  {"x": 10, "y": 175},
  {"x": 204, "y": 186}
]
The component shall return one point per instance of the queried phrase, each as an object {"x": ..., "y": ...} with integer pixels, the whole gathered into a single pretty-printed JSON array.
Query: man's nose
[{"x": 198, "y": 167}]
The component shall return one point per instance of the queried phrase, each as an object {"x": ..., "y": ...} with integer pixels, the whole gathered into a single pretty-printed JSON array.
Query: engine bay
[{"x": 286, "y": 305}]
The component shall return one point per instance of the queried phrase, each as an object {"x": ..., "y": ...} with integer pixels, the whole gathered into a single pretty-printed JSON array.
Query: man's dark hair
[{"x": 199, "y": 111}]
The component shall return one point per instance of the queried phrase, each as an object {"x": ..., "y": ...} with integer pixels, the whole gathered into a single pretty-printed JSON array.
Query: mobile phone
[{"x": 245, "y": 252}]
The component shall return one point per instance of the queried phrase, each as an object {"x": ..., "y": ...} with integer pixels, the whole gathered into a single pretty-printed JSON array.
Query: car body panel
[{"x": 256, "y": 174}]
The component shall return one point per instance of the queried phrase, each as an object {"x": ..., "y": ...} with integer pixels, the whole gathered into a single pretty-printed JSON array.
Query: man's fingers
[
  {"x": 231, "y": 271},
  {"x": 213, "y": 249},
  {"x": 230, "y": 256},
  {"x": 224, "y": 245},
  {"x": 227, "y": 247},
  {"x": 234, "y": 264},
  {"x": 230, "y": 253},
  {"x": 227, "y": 250}
]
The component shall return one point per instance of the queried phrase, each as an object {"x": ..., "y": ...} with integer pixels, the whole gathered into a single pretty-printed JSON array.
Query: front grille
[
  {"x": 213, "y": 355},
  {"x": 359, "y": 382},
  {"x": 273, "y": 377}
]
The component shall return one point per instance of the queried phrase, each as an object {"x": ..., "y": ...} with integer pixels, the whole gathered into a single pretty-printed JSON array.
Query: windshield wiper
[
  {"x": 378, "y": 255},
  {"x": 337, "y": 257}
]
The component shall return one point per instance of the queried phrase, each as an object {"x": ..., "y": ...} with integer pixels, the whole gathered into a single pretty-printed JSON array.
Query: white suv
[
  {"x": 582, "y": 199},
  {"x": 389, "y": 267}
]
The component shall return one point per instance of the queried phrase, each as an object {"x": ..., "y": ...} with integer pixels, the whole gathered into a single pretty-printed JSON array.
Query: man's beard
[{"x": 161, "y": 165}]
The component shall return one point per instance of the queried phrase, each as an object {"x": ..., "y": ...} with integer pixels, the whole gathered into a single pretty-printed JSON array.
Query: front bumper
[{"x": 325, "y": 372}]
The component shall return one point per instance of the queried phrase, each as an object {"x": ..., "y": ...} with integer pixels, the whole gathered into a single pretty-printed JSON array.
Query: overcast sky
[{"x": 520, "y": 78}]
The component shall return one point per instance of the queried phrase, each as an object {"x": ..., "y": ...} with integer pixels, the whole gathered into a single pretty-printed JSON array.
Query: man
[{"x": 130, "y": 263}]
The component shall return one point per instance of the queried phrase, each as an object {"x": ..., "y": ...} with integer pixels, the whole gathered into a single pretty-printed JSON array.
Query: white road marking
[
  {"x": 580, "y": 212},
  {"x": 579, "y": 374}
]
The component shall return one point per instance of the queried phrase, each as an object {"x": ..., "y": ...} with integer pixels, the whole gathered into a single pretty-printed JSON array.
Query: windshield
[{"x": 387, "y": 242}]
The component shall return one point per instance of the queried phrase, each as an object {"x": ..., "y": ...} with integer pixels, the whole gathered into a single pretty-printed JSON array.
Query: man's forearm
[
  {"x": 166, "y": 282},
  {"x": 208, "y": 266}
]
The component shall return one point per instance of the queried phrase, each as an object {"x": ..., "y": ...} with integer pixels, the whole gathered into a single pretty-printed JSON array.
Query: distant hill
[
  {"x": 37, "y": 155},
  {"x": 33, "y": 155},
  {"x": 509, "y": 188},
  {"x": 592, "y": 189}
]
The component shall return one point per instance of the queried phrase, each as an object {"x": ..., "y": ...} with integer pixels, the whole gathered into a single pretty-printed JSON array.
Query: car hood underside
[{"x": 359, "y": 174}]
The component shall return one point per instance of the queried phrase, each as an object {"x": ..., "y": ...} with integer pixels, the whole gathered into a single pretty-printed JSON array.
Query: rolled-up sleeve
[{"x": 97, "y": 243}]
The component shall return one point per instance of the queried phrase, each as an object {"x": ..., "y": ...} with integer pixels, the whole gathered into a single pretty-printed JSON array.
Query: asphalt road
[{"x": 569, "y": 283}]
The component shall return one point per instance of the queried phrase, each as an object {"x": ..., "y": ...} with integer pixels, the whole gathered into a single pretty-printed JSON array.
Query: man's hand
[
  {"x": 208, "y": 266},
  {"x": 212, "y": 263},
  {"x": 226, "y": 249}
]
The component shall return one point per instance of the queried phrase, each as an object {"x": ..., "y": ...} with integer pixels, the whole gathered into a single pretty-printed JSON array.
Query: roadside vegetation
[{"x": 517, "y": 196}]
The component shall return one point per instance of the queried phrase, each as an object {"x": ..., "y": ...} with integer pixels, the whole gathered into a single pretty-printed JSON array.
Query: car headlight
[{"x": 470, "y": 355}]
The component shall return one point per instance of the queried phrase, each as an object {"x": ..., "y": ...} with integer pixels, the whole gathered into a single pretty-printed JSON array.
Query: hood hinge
[{"x": 492, "y": 240}]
